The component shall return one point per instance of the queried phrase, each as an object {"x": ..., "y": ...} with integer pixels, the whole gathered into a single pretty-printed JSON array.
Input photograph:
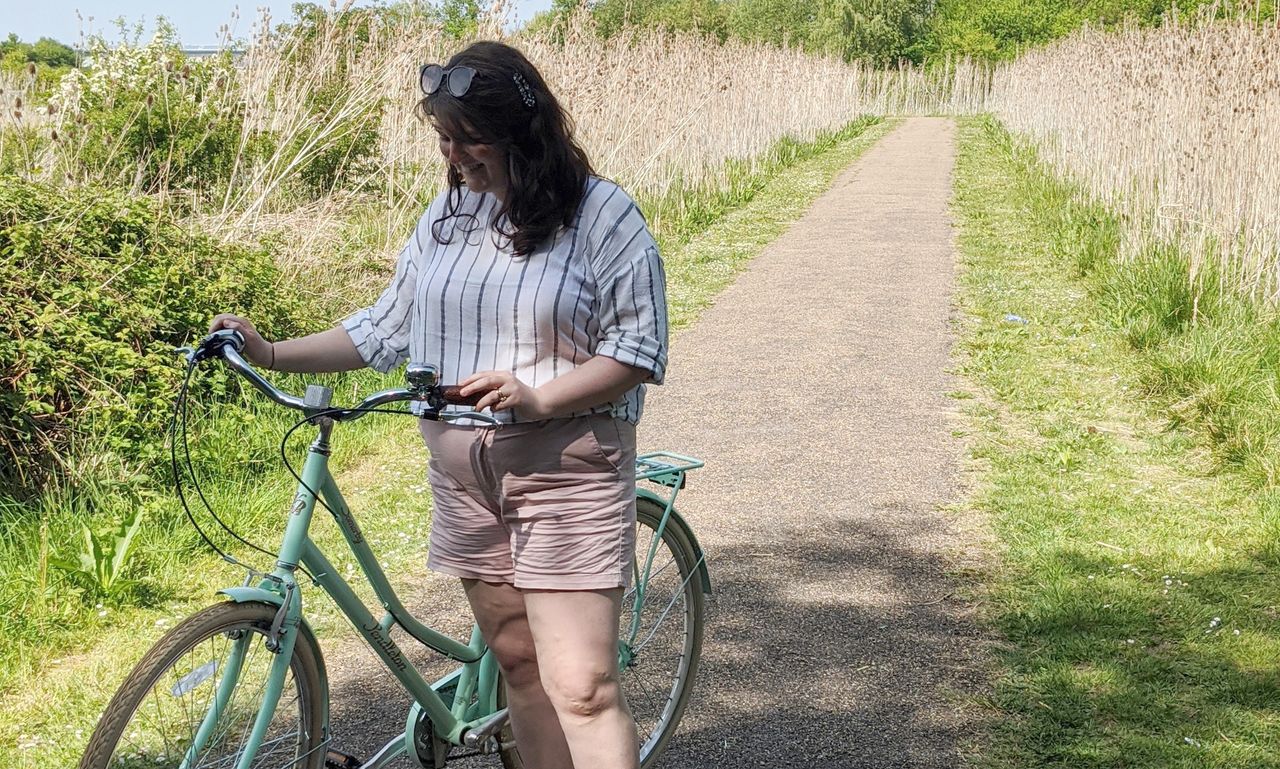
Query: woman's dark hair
[{"x": 508, "y": 104}]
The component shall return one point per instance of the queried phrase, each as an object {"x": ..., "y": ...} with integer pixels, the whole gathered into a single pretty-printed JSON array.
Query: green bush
[
  {"x": 100, "y": 287},
  {"x": 878, "y": 31},
  {"x": 344, "y": 160},
  {"x": 148, "y": 118}
]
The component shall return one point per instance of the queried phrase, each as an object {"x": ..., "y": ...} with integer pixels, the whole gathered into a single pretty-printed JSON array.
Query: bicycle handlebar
[{"x": 227, "y": 344}]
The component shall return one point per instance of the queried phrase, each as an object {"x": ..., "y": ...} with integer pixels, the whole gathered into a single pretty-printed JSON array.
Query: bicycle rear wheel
[
  {"x": 660, "y": 658},
  {"x": 154, "y": 717}
]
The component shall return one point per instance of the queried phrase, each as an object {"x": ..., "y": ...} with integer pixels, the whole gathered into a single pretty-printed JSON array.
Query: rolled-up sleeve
[
  {"x": 631, "y": 295},
  {"x": 381, "y": 332},
  {"x": 633, "y": 315}
]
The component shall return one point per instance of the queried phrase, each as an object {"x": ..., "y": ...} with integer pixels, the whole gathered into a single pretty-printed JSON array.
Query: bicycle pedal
[{"x": 336, "y": 759}]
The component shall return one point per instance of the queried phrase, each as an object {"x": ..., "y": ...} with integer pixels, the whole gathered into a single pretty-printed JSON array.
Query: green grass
[
  {"x": 63, "y": 655},
  {"x": 65, "y": 651},
  {"x": 1135, "y": 580}
]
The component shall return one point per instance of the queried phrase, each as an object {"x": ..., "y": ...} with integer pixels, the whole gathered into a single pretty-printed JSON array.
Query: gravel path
[{"x": 815, "y": 389}]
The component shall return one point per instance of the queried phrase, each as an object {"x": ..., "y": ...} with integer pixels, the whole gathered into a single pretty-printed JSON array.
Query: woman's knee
[
  {"x": 499, "y": 608},
  {"x": 582, "y": 692},
  {"x": 517, "y": 658}
]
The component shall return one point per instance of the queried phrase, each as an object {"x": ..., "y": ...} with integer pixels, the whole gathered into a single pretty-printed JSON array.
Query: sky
[{"x": 197, "y": 22}]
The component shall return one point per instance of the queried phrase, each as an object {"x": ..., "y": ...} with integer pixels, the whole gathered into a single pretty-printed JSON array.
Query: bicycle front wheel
[
  {"x": 206, "y": 677},
  {"x": 660, "y": 629}
]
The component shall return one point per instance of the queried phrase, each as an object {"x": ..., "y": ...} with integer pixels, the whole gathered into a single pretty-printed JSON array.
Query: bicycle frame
[
  {"x": 478, "y": 673},
  {"x": 479, "y": 670}
]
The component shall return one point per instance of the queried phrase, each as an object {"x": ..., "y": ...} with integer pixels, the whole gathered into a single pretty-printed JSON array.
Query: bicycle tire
[
  {"x": 181, "y": 669},
  {"x": 670, "y": 631},
  {"x": 676, "y": 550}
]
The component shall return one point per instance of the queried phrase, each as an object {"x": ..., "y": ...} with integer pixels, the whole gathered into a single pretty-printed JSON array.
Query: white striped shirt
[{"x": 595, "y": 288}]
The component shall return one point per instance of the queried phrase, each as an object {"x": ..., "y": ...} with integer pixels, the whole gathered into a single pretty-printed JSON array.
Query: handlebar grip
[
  {"x": 453, "y": 395},
  {"x": 212, "y": 346},
  {"x": 233, "y": 338}
]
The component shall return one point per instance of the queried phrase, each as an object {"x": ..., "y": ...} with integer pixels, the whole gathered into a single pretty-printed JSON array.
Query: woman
[{"x": 537, "y": 284}]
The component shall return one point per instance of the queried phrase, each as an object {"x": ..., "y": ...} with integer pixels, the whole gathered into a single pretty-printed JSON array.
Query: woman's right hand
[{"x": 256, "y": 349}]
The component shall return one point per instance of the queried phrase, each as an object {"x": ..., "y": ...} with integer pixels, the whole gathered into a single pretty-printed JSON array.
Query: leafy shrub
[
  {"x": 100, "y": 287},
  {"x": 339, "y": 143},
  {"x": 146, "y": 117},
  {"x": 350, "y": 155},
  {"x": 879, "y": 31}
]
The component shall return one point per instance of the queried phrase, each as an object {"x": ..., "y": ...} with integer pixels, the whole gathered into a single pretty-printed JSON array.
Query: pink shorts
[{"x": 545, "y": 505}]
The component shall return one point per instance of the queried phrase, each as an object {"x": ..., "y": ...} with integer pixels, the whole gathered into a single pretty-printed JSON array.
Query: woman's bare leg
[
  {"x": 500, "y": 611},
  {"x": 576, "y": 637}
]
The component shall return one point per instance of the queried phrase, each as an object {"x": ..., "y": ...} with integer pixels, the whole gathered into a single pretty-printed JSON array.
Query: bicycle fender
[
  {"x": 251, "y": 594},
  {"x": 704, "y": 576},
  {"x": 261, "y": 595}
]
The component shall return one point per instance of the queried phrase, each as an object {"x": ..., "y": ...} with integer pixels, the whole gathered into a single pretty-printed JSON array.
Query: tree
[
  {"x": 879, "y": 31},
  {"x": 706, "y": 16},
  {"x": 460, "y": 18},
  {"x": 51, "y": 52},
  {"x": 773, "y": 21}
]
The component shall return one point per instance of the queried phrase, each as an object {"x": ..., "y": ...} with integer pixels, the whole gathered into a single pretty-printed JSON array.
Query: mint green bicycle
[{"x": 241, "y": 684}]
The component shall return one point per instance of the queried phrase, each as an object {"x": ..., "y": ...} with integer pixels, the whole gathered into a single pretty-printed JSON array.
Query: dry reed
[
  {"x": 656, "y": 111},
  {"x": 1175, "y": 127},
  {"x": 659, "y": 110}
]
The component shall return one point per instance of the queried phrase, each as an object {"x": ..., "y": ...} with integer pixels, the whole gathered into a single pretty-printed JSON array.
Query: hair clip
[{"x": 526, "y": 93}]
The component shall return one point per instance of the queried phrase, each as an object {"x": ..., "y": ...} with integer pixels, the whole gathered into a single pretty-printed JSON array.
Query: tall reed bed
[
  {"x": 1176, "y": 128},
  {"x": 661, "y": 110},
  {"x": 318, "y": 118}
]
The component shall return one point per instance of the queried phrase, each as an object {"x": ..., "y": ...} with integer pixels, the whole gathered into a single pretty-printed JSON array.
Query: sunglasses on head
[{"x": 455, "y": 80}]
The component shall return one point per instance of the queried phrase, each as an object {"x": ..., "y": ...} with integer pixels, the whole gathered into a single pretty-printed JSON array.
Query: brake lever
[{"x": 451, "y": 417}]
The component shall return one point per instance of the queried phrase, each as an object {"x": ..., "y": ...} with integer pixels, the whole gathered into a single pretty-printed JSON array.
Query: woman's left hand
[{"x": 503, "y": 391}]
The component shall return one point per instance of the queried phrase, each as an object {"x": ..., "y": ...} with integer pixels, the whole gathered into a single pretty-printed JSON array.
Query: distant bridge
[
  {"x": 201, "y": 51},
  {"x": 84, "y": 58}
]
